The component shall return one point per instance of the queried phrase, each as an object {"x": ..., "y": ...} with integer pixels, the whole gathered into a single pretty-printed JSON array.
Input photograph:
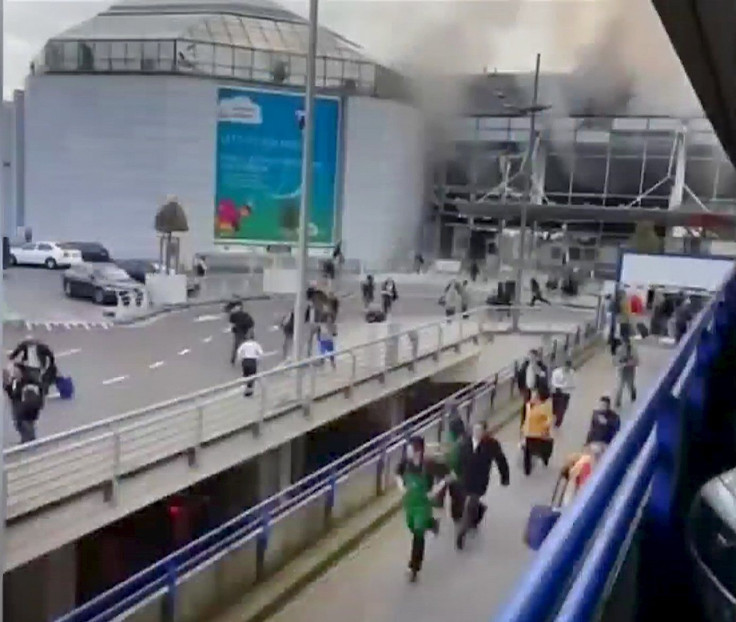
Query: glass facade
[
  {"x": 594, "y": 160},
  {"x": 248, "y": 49}
]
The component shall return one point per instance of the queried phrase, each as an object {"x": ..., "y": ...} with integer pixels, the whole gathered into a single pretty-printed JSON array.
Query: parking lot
[{"x": 36, "y": 296}]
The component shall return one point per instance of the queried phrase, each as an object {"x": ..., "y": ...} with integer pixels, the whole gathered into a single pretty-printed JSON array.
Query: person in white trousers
[
  {"x": 563, "y": 384},
  {"x": 248, "y": 354}
]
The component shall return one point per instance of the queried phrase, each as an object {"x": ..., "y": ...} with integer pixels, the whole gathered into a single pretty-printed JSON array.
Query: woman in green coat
[
  {"x": 457, "y": 435},
  {"x": 414, "y": 478}
]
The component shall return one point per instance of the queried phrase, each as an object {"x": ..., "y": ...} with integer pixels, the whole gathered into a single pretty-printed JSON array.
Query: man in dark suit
[{"x": 477, "y": 455}]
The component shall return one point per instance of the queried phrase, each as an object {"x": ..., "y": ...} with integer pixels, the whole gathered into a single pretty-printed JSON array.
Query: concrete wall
[
  {"x": 43, "y": 589},
  {"x": 103, "y": 152},
  {"x": 384, "y": 181}
]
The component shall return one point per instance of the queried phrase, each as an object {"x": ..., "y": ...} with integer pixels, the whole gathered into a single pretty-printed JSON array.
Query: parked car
[
  {"x": 139, "y": 268},
  {"x": 50, "y": 254},
  {"x": 98, "y": 282},
  {"x": 92, "y": 252}
]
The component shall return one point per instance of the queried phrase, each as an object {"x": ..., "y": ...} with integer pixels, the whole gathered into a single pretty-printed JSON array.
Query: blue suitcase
[
  {"x": 65, "y": 387},
  {"x": 543, "y": 518}
]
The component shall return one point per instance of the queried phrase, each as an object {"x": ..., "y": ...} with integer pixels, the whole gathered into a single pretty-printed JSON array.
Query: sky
[{"x": 372, "y": 23}]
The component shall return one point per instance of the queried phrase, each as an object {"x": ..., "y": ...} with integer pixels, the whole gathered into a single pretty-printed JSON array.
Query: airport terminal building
[{"x": 202, "y": 100}]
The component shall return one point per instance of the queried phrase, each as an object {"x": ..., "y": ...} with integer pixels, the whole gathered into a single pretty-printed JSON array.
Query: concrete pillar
[
  {"x": 298, "y": 458},
  {"x": 44, "y": 589},
  {"x": 678, "y": 182},
  {"x": 388, "y": 412},
  {"x": 274, "y": 471}
]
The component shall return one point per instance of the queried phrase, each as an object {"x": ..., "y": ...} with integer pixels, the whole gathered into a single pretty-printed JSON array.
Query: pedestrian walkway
[{"x": 370, "y": 585}]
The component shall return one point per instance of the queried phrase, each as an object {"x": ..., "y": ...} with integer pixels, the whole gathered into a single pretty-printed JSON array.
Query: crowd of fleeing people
[{"x": 461, "y": 468}]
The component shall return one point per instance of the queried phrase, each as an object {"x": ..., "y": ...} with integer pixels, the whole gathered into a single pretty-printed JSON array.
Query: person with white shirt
[
  {"x": 248, "y": 354},
  {"x": 563, "y": 384}
]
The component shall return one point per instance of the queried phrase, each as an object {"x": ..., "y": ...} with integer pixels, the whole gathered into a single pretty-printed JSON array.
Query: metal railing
[
  {"x": 160, "y": 586},
  {"x": 101, "y": 454},
  {"x": 568, "y": 578}
]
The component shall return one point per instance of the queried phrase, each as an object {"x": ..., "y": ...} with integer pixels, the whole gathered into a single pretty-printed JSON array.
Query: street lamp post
[
  {"x": 3, "y": 193},
  {"x": 306, "y": 186},
  {"x": 526, "y": 199}
]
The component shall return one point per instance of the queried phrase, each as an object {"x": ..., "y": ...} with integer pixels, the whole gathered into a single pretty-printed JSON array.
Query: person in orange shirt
[
  {"x": 578, "y": 468},
  {"x": 537, "y": 428}
]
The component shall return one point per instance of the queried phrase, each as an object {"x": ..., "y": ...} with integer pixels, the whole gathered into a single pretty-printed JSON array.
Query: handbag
[{"x": 543, "y": 518}]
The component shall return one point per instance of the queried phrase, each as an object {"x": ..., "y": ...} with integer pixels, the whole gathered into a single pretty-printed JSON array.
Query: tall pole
[
  {"x": 3, "y": 480},
  {"x": 526, "y": 199},
  {"x": 306, "y": 186}
]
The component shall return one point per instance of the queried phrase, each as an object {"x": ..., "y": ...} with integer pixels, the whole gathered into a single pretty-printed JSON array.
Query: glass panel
[
  {"x": 218, "y": 30},
  {"x": 272, "y": 35},
  {"x": 299, "y": 67},
  {"x": 261, "y": 66},
  {"x": 334, "y": 69},
  {"x": 166, "y": 51},
  {"x": 239, "y": 33},
  {"x": 351, "y": 71},
  {"x": 70, "y": 56},
  {"x": 117, "y": 56},
  {"x": 204, "y": 57},
  {"x": 101, "y": 55},
  {"x": 367, "y": 73},
  {"x": 224, "y": 62},
  {"x": 243, "y": 61},
  {"x": 256, "y": 35},
  {"x": 320, "y": 73},
  {"x": 291, "y": 36}
]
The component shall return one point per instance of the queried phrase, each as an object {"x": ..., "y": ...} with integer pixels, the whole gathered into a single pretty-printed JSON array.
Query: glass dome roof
[{"x": 253, "y": 41}]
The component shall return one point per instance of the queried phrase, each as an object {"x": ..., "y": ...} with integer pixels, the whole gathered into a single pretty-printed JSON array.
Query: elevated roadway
[
  {"x": 67, "y": 485},
  {"x": 124, "y": 368},
  {"x": 463, "y": 586}
]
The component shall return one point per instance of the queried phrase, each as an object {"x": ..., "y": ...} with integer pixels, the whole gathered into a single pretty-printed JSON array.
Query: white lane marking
[
  {"x": 273, "y": 329},
  {"x": 114, "y": 380},
  {"x": 156, "y": 365},
  {"x": 184, "y": 351},
  {"x": 225, "y": 331},
  {"x": 68, "y": 352},
  {"x": 271, "y": 353},
  {"x": 207, "y": 339},
  {"x": 207, "y": 318}
]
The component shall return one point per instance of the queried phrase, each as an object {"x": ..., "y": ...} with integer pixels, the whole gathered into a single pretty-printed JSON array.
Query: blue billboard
[{"x": 258, "y": 167}]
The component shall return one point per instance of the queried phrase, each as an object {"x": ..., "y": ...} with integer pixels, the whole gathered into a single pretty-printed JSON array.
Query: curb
[
  {"x": 183, "y": 306},
  {"x": 280, "y": 598}
]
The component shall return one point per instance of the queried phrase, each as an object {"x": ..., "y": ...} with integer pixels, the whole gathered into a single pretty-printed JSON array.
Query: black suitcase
[
  {"x": 643, "y": 330},
  {"x": 375, "y": 316}
]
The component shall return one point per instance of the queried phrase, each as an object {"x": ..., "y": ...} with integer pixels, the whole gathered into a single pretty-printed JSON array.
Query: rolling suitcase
[
  {"x": 375, "y": 315},
  {"x": 65, "y": 387},
  {"x": 542, "y": 518}
]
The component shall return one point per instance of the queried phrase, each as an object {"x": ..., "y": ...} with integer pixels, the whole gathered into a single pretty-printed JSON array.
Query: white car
[{"x": 50, "y": 254}]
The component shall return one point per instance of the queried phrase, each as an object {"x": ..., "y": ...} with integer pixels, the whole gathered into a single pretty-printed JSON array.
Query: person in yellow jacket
[{"x": 536, "y": 430}]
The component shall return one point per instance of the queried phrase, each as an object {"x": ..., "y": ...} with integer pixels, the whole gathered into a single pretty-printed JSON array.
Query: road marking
[
  {"x": 225, "y": 331},
  {"x": 184, "y": 351},
  {"x": 273, "y": 329},
  {"x": 114, "y": 380},
  {"x": 272, "y": 353},
  {"x": 156, "y": 365},
  {"x": 69, "y": 352},
  {"x": 207, "y": 318},
  {"x": 207, "y": 339}
]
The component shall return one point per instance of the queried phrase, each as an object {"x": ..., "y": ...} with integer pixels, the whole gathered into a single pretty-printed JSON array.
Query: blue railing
[
  {"x": 587, "y": 541},
  {"x": 256, "y": 521}
]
